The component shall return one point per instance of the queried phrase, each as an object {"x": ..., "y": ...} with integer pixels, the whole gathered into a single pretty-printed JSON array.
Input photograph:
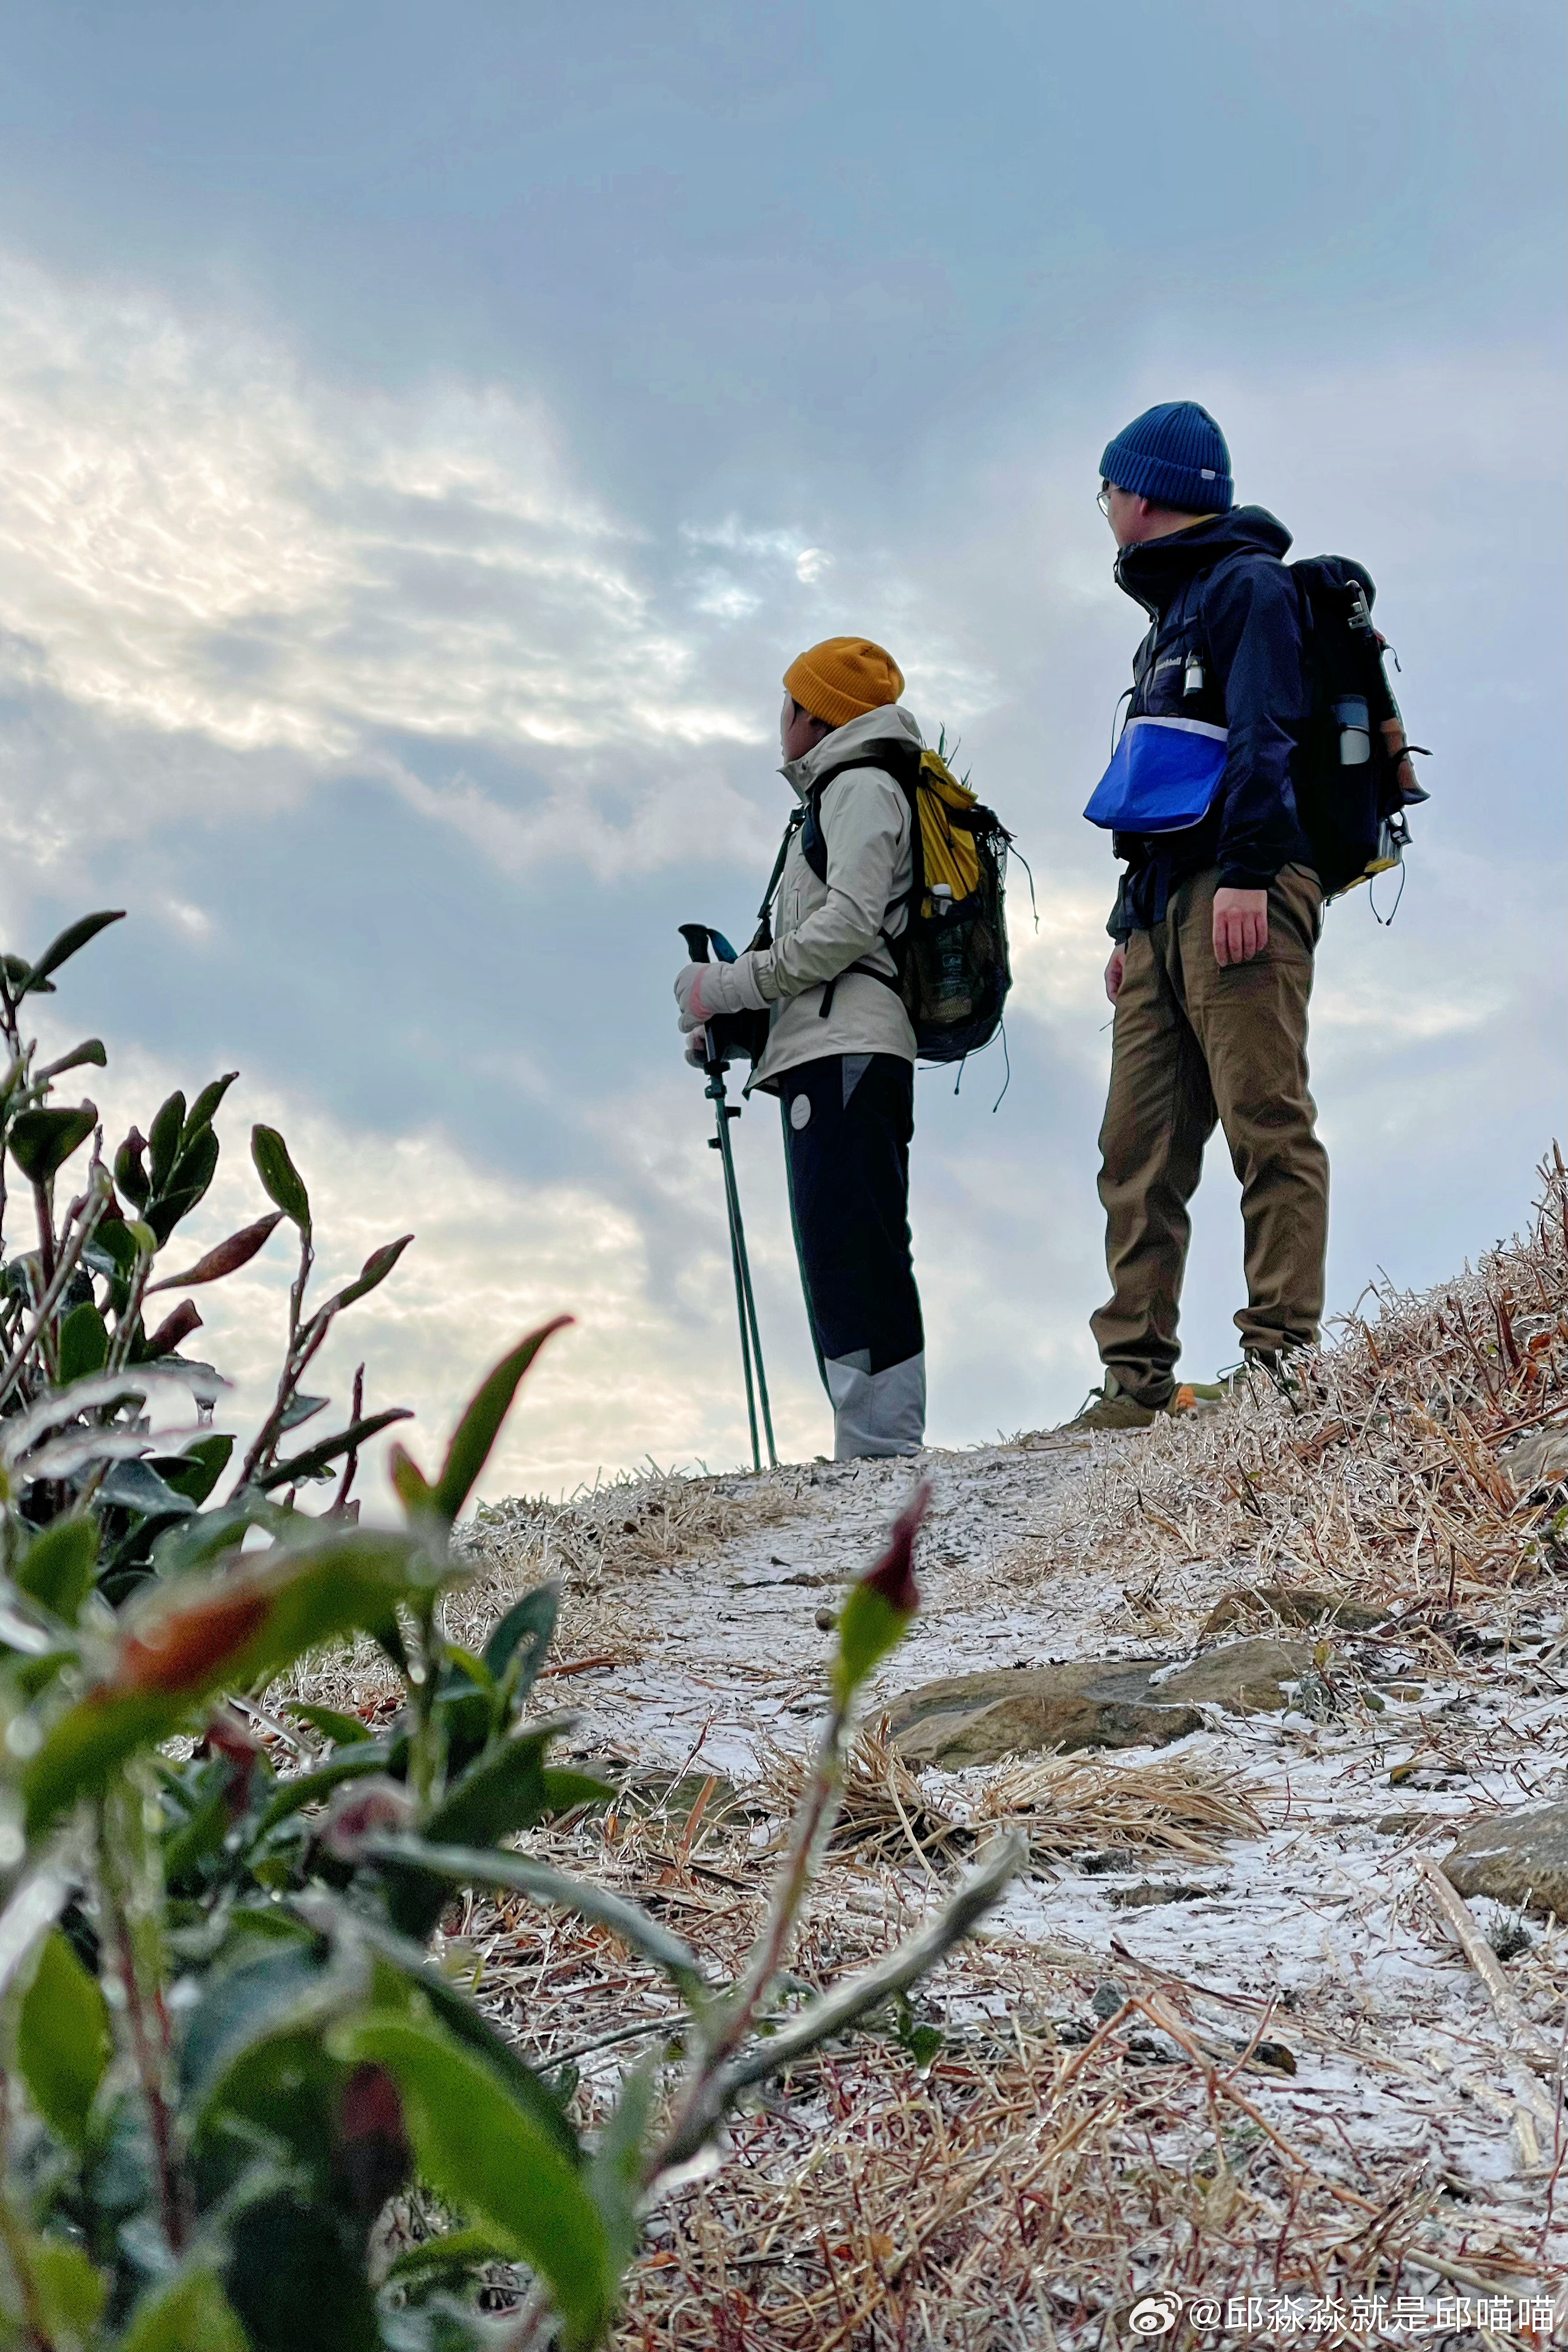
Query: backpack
[
  {"x": 951, "y": 956},
  {"x": 1352, "y": 774}
]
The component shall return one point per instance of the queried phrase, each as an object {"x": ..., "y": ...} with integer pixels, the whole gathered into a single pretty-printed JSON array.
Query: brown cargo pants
[{"x": 1195, "y": 1042}]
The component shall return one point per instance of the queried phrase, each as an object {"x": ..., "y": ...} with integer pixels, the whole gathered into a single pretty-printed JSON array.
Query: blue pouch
[{"x": 1162, "y": 776}]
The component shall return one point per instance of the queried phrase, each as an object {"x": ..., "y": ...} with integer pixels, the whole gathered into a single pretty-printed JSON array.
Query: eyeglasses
[{"x": 1102, "y": 500}]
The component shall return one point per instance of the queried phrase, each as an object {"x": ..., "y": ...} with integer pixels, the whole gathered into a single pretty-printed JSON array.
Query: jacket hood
[
  {"x": 890, "y": 723},
  {"x": 1155, "y": 572}
]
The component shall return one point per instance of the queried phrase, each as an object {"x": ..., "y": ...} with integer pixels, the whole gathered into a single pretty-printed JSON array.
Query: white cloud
[
  {"x": 197, "y": 540},
  {"x": 1058, "y": 969}
]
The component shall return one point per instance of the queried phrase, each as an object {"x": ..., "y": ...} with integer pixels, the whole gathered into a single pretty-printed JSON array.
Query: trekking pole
[{"x": 697, "y": 936}]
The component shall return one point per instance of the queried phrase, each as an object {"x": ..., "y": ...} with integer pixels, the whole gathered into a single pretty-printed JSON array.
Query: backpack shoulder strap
[
  {"x": 899, "y": 760},
  {"x": 765, "y": 912},
  {"x": 905, "y": 770},
  {"x": 889, "y": 762}
]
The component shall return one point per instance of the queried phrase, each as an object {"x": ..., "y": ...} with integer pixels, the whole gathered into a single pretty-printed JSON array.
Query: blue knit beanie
[{"x": 1176, "y": 455}]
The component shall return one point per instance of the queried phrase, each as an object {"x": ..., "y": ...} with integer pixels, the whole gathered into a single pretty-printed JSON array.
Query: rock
[
  {"x": 1143, "y": 1898},
  {"x": 1519, "y": 1858},
  {"x": 1026, "y": 1725},
  {"x": 1293, "y": 1604},
  {"x": 1244, "y": 1678},
  {"x": 1088, "y": 1703},
  {"x": 1100, "y": 1865},
  {"x": 1538, "y": 1460}
]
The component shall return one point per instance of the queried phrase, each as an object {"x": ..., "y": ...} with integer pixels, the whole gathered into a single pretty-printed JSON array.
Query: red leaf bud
[
  {"x": 189, "y": 1647},
  {"x": 227, "y": 1256},
  {"x": 363, "y": 1811},
  {"x": 893, "y": 1574},
  {"x": 372, "y": 2157},
  {"x": 227, "y": 1737},
  {"x": 173, "y": 1329}
]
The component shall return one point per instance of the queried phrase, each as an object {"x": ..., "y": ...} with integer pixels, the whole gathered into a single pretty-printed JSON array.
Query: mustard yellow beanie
[{"x": 843, "y": 677}]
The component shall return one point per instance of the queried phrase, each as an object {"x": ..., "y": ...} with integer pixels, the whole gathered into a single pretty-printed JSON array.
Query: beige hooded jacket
[{"x": 821, "y": 927}]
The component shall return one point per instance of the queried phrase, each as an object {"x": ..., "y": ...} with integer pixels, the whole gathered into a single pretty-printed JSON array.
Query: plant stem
[
  {"x": 714, "y": 2088},
  {"x": 352, "y": 1462},
  {"x": 125, "y": 1326},
  {"x": 45, "y": 1209},
  {"x": 812, "y": 1823},
  {"x": 122, "y": 1847},
  {"x": 817, "y": 1812},
  {"x": 422, "y": 1759},
  {"x": 536, "y": 2317},
  {"x": 69, "y": 1259},
  {"x": 8, "y": 1027},
  {"x": 302, "y": 1346}
]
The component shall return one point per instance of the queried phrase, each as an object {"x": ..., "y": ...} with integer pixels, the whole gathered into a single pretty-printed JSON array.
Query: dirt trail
[
  {"x": 1218, "y": 2043},
  {"x": 730, "y": 1653},
  {"x": 1315, "y": 1930}
]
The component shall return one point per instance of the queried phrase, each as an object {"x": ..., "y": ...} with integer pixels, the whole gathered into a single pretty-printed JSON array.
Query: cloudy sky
[{"x": 425, "y": 433}]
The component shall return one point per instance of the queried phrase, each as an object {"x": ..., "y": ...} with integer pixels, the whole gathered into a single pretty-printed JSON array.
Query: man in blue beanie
[{"x": 1216, "y": 920}]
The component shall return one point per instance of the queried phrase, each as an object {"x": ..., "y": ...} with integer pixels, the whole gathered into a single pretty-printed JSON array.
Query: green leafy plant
[{"x": 225, "y": 2044}]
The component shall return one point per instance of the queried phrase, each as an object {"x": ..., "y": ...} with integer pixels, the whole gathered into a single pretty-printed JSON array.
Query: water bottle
[
  {"x": 1354, "y": 720},
  {"x": 951, "y": 997}
]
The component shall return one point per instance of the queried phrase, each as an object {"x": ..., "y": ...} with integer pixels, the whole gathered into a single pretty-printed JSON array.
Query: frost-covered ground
[
  {"x": 1316, "y": 1930},
  {"x": 731, "y": 1653}
]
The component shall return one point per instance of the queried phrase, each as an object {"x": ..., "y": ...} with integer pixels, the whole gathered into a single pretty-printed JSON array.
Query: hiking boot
[
  {"x": 1114, "y": 1407},
  {"x": 1111, "y": 1407}
]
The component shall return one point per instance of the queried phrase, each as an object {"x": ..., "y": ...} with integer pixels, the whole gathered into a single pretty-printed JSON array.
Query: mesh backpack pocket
[{"x": 1352, "y": 773}]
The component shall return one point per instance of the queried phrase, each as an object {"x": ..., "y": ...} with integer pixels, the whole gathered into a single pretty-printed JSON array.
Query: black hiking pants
[{"x": 848, "y": 1120}]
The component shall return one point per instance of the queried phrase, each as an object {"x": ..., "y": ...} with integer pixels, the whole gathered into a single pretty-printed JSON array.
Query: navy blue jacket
[{"x": 1223, "y": 605}]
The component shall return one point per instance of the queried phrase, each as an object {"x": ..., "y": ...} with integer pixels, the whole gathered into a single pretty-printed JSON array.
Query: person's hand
[
  {"x": 704, "y": 989},
  {"x": 689, "y": 993},
  {"x": 697, "y": 1049},
  {"x": 1114, "y": 972},
  {"x": 1241, "y": 925}
]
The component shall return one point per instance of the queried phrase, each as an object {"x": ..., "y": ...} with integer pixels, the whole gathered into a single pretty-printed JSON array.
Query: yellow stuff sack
[{"x": 948, "y": 852}]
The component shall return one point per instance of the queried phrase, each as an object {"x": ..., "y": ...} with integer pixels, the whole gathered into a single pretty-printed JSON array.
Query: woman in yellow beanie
[{"x": 841, "y": 1050}]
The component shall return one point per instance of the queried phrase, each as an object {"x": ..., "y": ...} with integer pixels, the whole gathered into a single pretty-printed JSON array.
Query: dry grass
[
  {"x": 1381, "y": 1477},
  {"x": 1054, "y": 2161},
  {"x": 1022, "y": 2194},
  {"x": 627, "y": 1527},
  {"x": 1171, "y": 1805},
  {"x": 1021, "y": 2190},
  {"x": 887, "y": 1815}
]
